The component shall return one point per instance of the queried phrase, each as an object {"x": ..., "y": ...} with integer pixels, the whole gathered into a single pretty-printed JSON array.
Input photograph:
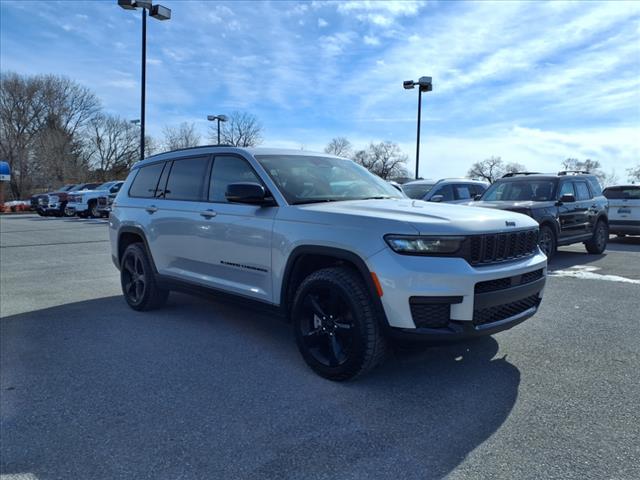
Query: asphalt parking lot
[{"x": 210, "y": 390}]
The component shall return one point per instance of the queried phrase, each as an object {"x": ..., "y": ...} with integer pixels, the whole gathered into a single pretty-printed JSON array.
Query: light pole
[
  {"x": 219, "y": 118},
  {"x": 424, "y": 85},
  {"x": 159, "y": 13}
]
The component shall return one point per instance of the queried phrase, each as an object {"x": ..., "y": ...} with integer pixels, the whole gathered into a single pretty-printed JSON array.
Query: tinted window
[
  {"x": 463, "y": 192},
  {"x": 187, "y": 179},
  {"x": 144, "y": 185},
  {"x": 116, "y": 188},
  {"x": 228, "y": 170},
  {"x": 566, "y": 189},
  {"x": 446, "y": 191},
  {"x": 595, "y": 185},
  {"x": 417, "y": 190},
  {"x": 582, "y": 191},
  {"x": 618, "y": 193},
  {"x": 536, "y": 190},
  {"x": 162, "y": 183},
  {"x": 477, "y": 189}
]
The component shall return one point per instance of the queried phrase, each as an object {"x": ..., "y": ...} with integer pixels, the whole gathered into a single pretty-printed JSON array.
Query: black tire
[
  {"x": 69, "y": 213},
  {"x": 598, "y": 242},
  {"x": 40, "y": 212},
  {"x": 93, "y": 209},
  {"x": 337, "y": 330},
  {"x": 138, "y": 281},
  {"x": 547, "y": 241}
]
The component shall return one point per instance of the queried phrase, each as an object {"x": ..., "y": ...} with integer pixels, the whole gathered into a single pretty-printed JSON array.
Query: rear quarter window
[
  {"x": 595, "y": 186},
  {"x": 146, "y": 181}
]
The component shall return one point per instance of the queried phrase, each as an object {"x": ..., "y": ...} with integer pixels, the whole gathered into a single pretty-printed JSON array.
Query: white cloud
[
  {"x": 370, "y": 40},
  {"x": 322, "y": 23},
  {"x": 335, "y": 44}
]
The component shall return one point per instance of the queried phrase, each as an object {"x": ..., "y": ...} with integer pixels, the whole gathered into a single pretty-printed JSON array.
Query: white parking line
[{"x": 588, "y": 273}]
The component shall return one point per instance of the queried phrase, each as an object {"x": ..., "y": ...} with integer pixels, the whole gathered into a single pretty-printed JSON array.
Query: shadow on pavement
[
  {"x": 205, "y": 389},
  {"x": 624, "y": 244}
]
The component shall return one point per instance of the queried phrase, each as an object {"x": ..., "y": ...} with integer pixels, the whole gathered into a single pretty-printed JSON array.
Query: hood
[
  {"x": 515, "y": 206},
  {"x": 428, "y": 218}
]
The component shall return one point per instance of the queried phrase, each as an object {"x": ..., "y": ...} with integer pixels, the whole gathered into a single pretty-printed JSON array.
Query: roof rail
[
  {"x": 574, "y": 172},
  {"x": 188, "y": 148},
  {"x": 513, "y": 174}
]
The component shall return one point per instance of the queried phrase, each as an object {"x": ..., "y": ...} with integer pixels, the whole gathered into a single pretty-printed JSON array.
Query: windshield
[
  {"x": 417, "y": 190},
  {"x": 105, "y": 186},
  {"x": 306, "y": 179},
  {"x": 536, "y": 190}
]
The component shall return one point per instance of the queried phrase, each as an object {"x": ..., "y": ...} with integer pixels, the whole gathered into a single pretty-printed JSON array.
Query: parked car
[
  {"x": 569, "y": 206},
  {"x": 45, "y": 205},
  {"x": 84, "y": 203},
  {"x": 104, "y": 204},
  {"x": 624, "y": 209},
  {"x": 448, "y": 190},
  {"x": 351, "y": 267}
]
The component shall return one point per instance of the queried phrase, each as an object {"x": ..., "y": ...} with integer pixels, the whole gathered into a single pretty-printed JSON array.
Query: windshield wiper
[
  {"x": 379, "y": 197},
  {"x": 316, "y": 200}
]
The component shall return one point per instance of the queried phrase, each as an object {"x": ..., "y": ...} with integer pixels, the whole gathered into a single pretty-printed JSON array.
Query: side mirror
[
  {"x": 250, "y": 193},
  {"x": 477, "y": 197},
  {"x": 568, "y": 198},
  {"x": 436, "y": 198}
]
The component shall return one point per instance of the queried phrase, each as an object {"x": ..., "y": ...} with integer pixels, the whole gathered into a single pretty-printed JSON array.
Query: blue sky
[{"x": 531, "y": 82}]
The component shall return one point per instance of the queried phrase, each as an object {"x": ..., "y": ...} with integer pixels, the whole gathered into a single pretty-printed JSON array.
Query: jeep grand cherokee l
[
  {"x": 569, "y": 207},
  {"x": 343, "y": 255}
]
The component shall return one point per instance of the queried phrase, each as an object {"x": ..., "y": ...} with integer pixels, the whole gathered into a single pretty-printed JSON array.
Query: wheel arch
[
  {"x": 307, "y": 259},
  {"x": 129, "y": 235}
]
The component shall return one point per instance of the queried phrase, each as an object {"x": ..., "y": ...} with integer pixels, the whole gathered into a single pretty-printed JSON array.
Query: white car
[
  {"x": 84, "y": 203},
  {"x": 624, "y": 209}
]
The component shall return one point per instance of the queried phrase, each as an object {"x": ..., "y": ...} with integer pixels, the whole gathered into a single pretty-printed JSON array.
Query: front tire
[
  {"x": 598, "y": 243},
  {"x": 336, "y": 327},
  {"x": 548, "y": 243},
  {"x": 93, "y": 209},
  {"x": 137, "y": 278}
]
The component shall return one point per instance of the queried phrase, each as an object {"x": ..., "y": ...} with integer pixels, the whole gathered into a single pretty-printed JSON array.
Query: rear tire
[
  {"x": 548, "y": 243},
  {"x": 337, "y": 329},
  {"x": 138, "y": 281},
  {"x": 598, "y": 243}
]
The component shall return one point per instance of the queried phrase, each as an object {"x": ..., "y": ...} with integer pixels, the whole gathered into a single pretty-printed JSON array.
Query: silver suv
[
  {"x": 339, "y": 252},
  {"x": 448, "y": 190}
]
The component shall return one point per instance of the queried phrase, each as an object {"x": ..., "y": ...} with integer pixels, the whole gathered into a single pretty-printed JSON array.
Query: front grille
[
  {"x": 501, "y": 312},
  {"x": 499, "y": 247},
  {"x": 508, "y": 282},
  {"x": 102, "y": 201},
  {"x": 430, "y": 315}
]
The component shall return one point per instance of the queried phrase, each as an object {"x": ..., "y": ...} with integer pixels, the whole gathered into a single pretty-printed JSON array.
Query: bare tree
[
  {"x": 634, "y": 173},
  {"x": 241, "y": 129},
  {"x": 184, "y": 135},
  {"x": 339, "y": 146},
  {"x": 112, "y": 146},
  {"x": 493, "y": 168},
  {"x": 591, "y": 166},
  {"x": 42, "y": 119},
  {"x": 384, "y": 159}
]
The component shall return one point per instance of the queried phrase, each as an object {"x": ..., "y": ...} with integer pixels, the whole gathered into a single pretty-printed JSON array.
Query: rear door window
[
  {"x": 582, "y": 191},
  {"x": 187, "y": 179},
  {"x": 146, "y": 181}
]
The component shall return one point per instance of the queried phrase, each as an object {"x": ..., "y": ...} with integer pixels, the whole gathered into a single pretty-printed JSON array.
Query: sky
[{"x": 530, "y": 82}]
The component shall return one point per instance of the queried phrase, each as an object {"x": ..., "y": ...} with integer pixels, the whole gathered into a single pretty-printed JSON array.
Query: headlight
[{"x": 419, "y": 245}]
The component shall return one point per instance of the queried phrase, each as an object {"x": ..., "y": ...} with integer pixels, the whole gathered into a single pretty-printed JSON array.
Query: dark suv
[{"x": 569, "y": 206}]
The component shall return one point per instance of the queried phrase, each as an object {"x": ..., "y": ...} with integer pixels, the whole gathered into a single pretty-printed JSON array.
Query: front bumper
[
  {"x": 470, "y": 311},
  {"x": 76, "y": 208}
]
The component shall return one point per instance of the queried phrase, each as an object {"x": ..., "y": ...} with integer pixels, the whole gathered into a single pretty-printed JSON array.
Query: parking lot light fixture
[
  {"x": 158, "y": 12},
  {"x": 219, "y": 118},
  {"x": 424, "y": 85}
]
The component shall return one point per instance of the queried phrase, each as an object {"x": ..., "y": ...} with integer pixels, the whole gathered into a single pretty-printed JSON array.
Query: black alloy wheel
[
  {"x": 598, "y": 243},
  {"x": 337, "y": 329},
  {"x": 547, "y": 241},
  {"x": 327, "y": 326},
  {"x": 138, "y": 281}
]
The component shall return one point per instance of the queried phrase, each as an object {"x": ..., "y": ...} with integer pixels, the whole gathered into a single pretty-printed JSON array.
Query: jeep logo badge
[{"x": 510, "y": 224}]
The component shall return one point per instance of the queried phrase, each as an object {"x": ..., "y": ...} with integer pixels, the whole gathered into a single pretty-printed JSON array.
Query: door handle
[
  {"x": 151, "y": 209},
  {"x": 208, "y": 213}
]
